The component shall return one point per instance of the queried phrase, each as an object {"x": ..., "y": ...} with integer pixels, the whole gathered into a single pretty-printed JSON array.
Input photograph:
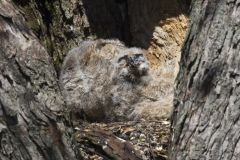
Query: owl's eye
[
  {"x": 132, "y": 60},
  {"x": 137, "y": 58}
]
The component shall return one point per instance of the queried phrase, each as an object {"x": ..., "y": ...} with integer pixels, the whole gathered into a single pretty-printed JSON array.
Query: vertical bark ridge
[{"x": 206, "y": 91}]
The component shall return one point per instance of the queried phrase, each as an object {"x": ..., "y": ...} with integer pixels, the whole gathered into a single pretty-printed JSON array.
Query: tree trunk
[
  {"x": 205, "y": 120},
  {"x": 31, "y": 106}
]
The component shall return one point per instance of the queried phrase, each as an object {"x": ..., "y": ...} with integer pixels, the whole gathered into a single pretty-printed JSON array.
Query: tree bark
[
  {"x": 205, "y": 120},
  {"x": 31, "y": 106}
]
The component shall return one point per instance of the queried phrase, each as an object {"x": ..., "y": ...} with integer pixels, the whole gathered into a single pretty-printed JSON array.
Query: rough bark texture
[
  {"x": 206, "y": 122},
  {"x": 31, "y": 124}
]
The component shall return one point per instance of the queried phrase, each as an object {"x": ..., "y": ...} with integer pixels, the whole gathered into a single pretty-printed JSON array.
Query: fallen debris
[{"x": 134, "y": 140}]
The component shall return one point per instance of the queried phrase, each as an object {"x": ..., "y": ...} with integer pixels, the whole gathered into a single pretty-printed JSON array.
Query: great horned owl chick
[
  {"x": 103, "y": 78},
  {"x": 133, "y": 66}
]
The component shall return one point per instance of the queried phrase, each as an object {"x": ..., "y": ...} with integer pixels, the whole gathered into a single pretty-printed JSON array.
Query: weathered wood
[
  {"x": 107, "y": 145},
  {"x": 206, "y": 114}
]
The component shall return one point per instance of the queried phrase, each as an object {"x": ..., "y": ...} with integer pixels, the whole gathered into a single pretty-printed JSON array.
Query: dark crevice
[
  {"x": 235, "y": 45},
  {"x": 209, "y": 75},
  {"x": 185, "y": 5},
  {"x": 7, "y": 19},
  {"x": 47, "y": 19},
  {"x": 9, "y": 79},
  {"x": 194, "y": 74},
  {"x": 109, "y": 20},
  {"x": 188, "y": 3},
  {"x": 179, "y": 128},
  {"x": 45, "y": 13},
  {"x": 191, "y": 64},
  {"x": 12, "y": 119},
  {"x": 19, "y": 141},
  {"x": 43, "y": 84},
  {"x": 39, "y": 148},
  {"x": 56, "y": 135},
  {"x": 222, "y": 44},
  {"x": 234, "y": 75},
  {"x": 39, "y": 10},
  {"x": 22, "y": 2},
  {"x": 210, "y": 9},
  {"x": 64, "y": 18},
  {"x": 185, "y": 51},
  {"x": 25, "y": 76},
  {"x": 35, "y": 118},
  {"x": 125, "y": 29}
]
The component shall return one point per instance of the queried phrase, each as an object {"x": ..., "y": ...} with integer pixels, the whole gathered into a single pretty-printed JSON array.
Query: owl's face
[
  {"x": 139, "y": 64},
  {"x": 135, "y": 64}
]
